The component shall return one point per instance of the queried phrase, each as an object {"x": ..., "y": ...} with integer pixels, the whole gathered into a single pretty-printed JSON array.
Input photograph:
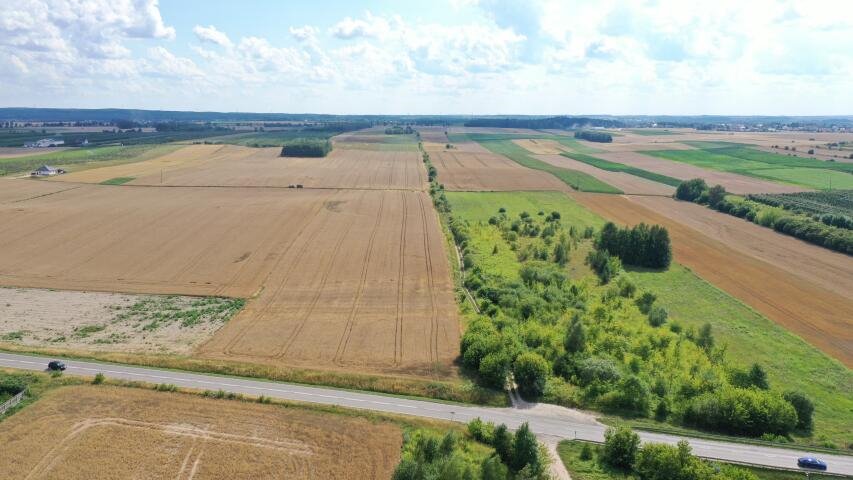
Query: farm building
[{"x": 45, "y": 142}]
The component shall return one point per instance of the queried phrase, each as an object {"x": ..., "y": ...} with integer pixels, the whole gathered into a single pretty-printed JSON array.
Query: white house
[{"x": 46, "y": 171}]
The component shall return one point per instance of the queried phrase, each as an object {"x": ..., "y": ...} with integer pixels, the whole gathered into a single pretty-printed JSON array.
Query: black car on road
[{"x": 56, "y": 366}]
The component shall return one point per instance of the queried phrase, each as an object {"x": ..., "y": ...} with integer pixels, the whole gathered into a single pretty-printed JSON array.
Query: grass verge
[{"x": 118, "y": 181}]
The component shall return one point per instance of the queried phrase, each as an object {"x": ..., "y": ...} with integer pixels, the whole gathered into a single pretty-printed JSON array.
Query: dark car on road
[
  {"x": 811, "y": 462},
  {"x": 56, "y": 365}
]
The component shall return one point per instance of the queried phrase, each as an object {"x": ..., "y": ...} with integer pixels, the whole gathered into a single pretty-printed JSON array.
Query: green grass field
[
  {"x": 118, "y": 181},
  {"x": 621, "y": 167},
  {"x": 734, "y": 158},
  {"x": 570, "y": 453},
  {"x": 790, "y": 362},
  {"x": 573, "y": 178},
  {"x": 83, "y": 158},
  {"x": 276, "y": 138},
  {"x": 652, "y": 132}
]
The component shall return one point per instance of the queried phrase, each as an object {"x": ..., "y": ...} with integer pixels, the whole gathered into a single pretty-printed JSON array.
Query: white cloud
[
  {"x": 370, "y": 26},
  {"x": 306, "y": 32},
  {"x": 212, "y": 35}
]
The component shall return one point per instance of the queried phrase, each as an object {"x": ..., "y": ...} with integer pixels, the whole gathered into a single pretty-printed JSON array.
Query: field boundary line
[{"x": 401, "y": 273}]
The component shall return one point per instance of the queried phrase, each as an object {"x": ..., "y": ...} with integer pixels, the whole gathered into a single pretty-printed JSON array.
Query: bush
[
  {"x": 690, "y": 190},
  {"x": 601, "y": 370},
  {"x": 99, "y": 379},
  {"x": 620, "y": 447},
  {"x": 658, "y": 461},
  {"x": 531, "y": 371},
  {"x": 630, "y": 396},
  {"x": 657, "y": 316},
  {"x": 742, "y": 411},
  {"x": 804, "y": 408},
  {"x": 586, "y": 452}
]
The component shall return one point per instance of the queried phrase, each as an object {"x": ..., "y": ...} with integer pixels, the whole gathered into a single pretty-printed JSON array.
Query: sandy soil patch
[
  {"x": 626, "y": 182},
  {"x": 87, "y": 432},
  {"x": 463, "y": 171},
  {"x": 110, "y": 321},
  {"x": 765, "y": 270},
  {"x": 733, "y": 182},
  {"x": 364, "y": 286}
]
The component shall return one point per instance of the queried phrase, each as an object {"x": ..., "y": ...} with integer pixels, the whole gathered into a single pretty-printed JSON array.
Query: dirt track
[
  {"x": 757, "y": 267},
  {"x": 462, "y": 171},
  {"x": 733, "y": 182},
  {"x": 95, "y": 433},
  {"x": 630, "y": 184}
]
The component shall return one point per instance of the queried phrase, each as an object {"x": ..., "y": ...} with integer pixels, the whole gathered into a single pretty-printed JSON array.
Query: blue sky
[{"x": 455, "y": 56}]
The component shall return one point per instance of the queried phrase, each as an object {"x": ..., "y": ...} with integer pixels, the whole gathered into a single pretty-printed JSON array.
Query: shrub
[
  {"x": 525, "y": 451},
  {"x": 620, "y": 447},
  {"x": 631, "y": 396},
  {"x": 804, "y": 408},
  {"x": 595, "y": 369},
  {"x": 690, "y": 189},
  {"x": 658, "y": 461},
  {"x": 742, "y": 411},
  {"x": 531, "y": 371},
  {"x": 657, "y": 316},
  {"x": 586, "y": 452},
  {"x": 645, "y": 300},
  {"x": 716, "y": 194},
  {"x": 99, "y": 379}
]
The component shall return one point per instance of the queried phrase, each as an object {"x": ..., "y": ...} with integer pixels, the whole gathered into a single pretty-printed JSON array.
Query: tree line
[{"x": 590, "y": 136}]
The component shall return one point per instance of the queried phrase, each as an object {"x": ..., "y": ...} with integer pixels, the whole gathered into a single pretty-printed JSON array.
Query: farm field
[
  {"x": 463, "y": 171},
  {"x": 808, "y": 173},
  {"x": 768, "y": 271},
  {"x": 629, "y": 184},
  {"x": 99, "y": 321},
  {"x": 336, "y": 269},
  {"x": 83, "y": 158},
  {"x": 733, "y": 182},
  {"x": 101, "y": 432},
  {"x": 791, "y": 362},
  {"x": 234, "y": 166},
  {"x": 17, "y": 190},
  {"x": 10, "y": 152}
]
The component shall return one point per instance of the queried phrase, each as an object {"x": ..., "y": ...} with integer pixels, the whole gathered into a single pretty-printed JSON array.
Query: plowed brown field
[
  {"x": 804, "y": 288},
  {"x": 733, "y": 182},
  {"x": 348, "y": 279},
  {"x": 464, "y": 171},
  {"x": 630, "y": 184},
  {"x": 229, "y": 165},
  {"x": 94, "y": 433}
]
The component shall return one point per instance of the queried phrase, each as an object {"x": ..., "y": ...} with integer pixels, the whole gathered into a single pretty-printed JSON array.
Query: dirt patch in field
[
  {"x": 364, "y": 286},
  {"x": 762, "y": 269},
  {"x": 348, "y": 279},
  {"x": 114, "y": 322},
  {"x": 626, "y": 182},
  {"x": 103, "y": 432},
  {"x": 462, "y": 171},
  {"x": 733, "y": 182}
]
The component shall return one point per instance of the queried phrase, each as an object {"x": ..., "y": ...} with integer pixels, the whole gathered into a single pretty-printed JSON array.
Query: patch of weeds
[
  {"x": 14, "y": 336},
  {"x": 87, "y": 330}
]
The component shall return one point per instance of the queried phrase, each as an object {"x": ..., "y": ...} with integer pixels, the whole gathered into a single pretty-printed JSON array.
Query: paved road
[{"x": 548, "y": 422}]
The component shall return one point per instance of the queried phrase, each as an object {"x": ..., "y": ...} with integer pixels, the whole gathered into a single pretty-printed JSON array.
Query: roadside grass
[
  {"x": 118, "y": 181},
  {"x": 86, "y": 158},
  {"x": 37, "y": 383},
  {"x": 744, "y": 160},
  {"x": 621, "y": 167},
  {"x": 592, "y": 469},
  {"x": 573, "y": 178},
  {"x": 458, "y": 391},
  {"x": 791, "y": 363}
]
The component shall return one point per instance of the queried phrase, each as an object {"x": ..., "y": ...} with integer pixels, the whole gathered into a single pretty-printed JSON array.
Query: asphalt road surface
[{"x": 550, "y": 423}]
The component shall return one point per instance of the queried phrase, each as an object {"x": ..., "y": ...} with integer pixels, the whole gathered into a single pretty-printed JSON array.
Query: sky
[{"x": 471, "y": 57}]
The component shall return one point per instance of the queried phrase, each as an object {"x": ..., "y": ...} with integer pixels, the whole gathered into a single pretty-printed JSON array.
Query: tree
[
  {"x": 575, "y": 340},
  {"x": 561, "y": 253},
  {"x": 657, "y": 316},
  {"x": 706, "y": 337},
  {"x": 758, "y": 377},
  {"x": 494, "y": 368},
  {"x": 716, "y": 194},
  {"x": 531, "y": 371},
  {"x": 493, "y": 469},
  {"x": 804, "y": 408},
  {"x": 691, "y": 189},
  {"x": 503, "y": 443},
  {"x": 620, "y": 447},
  {"x": 658, "y": 461},
  {"x": 631, "y": 395},
  {"x": 525, "y": 450}
]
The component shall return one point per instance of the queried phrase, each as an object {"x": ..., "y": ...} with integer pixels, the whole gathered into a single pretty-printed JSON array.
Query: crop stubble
[{"x": 86, "y": 432}]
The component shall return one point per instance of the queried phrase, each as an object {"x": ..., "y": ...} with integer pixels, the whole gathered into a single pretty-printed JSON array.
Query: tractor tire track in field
[
  {"x": 319, "y": 289},
  {"x": 344, "y": 341},
  {"x": 309, "y": 242},
  {"x": 401, "y": 273},
  {"x": 433, "y": 332}
]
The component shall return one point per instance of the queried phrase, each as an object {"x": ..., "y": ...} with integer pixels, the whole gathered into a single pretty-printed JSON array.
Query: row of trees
[
  {"x": 804, "y": 227},
  {"x": 641, "y": 245},
  {"x": 591, "y": 136},
  {"x": 306, "y": 147}
]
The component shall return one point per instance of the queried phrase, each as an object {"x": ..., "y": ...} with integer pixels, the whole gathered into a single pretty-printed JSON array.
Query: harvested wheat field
[
  {"x": 110, "y": 322},
  {"x": 761, "y": 268},
  {"x": 734, "y": 183},
  {"x": 104, "y": 432},
  {"x": 19, "y": 190},
  {"x": 461, "y": 171},
  {"x": 348, "y": 279},
  {"x": 630, "y": 184},
  {"x": 541, "y": 146},
  {"x": 13, "y": 152},
  {"x": 365, "y": 286},
  {"x": 235, "y": 166}
]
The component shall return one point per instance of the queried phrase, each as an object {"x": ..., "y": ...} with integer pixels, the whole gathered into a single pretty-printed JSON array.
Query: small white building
[
  {"x": 46, "y": 171},
  {"x": 45, "y": 142}
]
